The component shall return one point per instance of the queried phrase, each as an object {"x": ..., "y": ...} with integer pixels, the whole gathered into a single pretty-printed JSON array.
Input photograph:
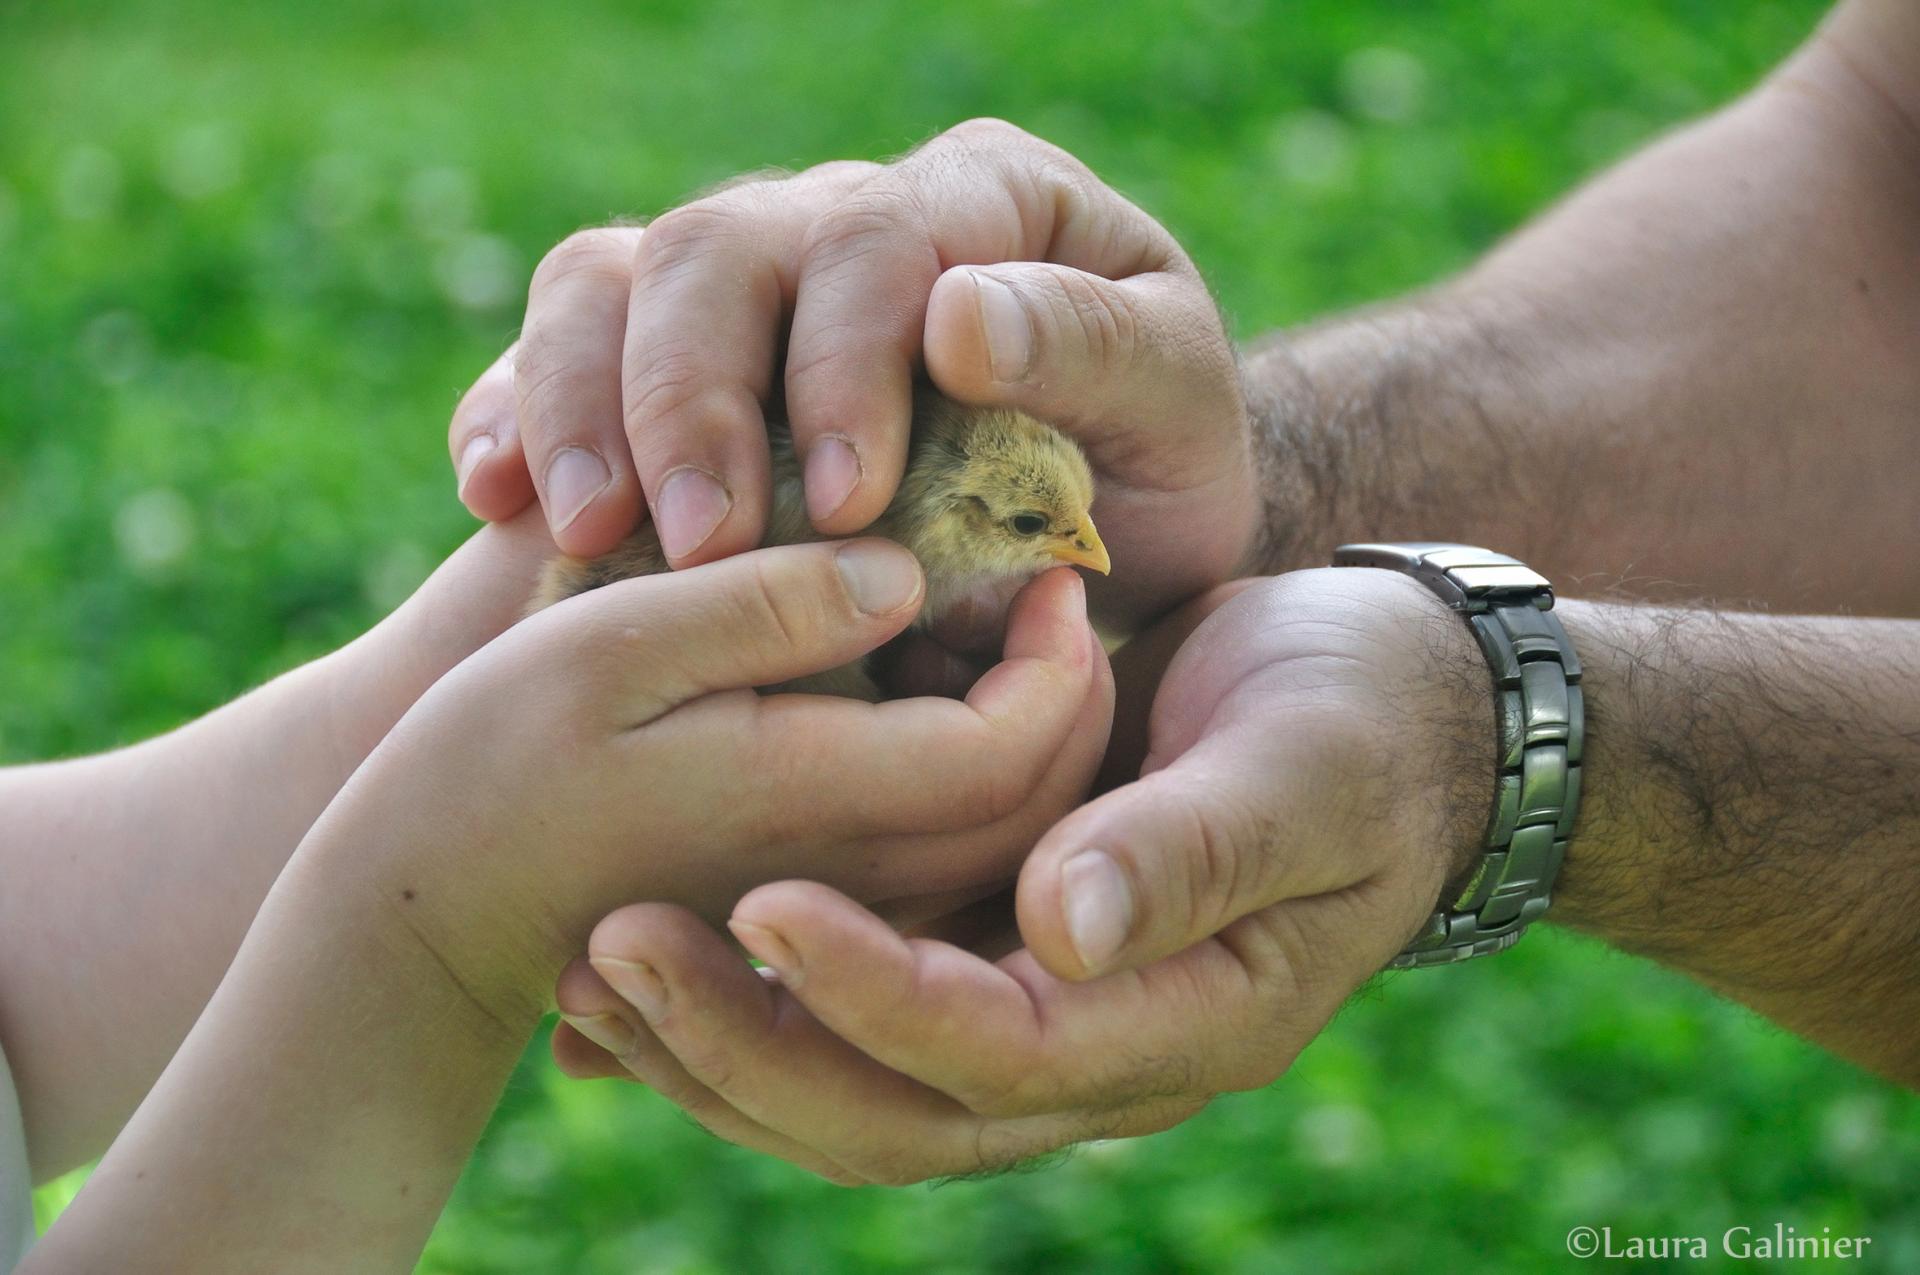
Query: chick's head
[{"x": 1010, "y": 495}]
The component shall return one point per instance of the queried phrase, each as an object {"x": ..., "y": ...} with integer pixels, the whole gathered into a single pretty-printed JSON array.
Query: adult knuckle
[
  {"x": 1071, "y": 172},
  {"x": 819, "y": 368},
  {"x": 542, "y": 357},
  {"x": 868, "y": 222},
  {"x": 1181, "y": 871},
  {"x": 836, "y": 175},
  {"x": 1056, "y": 171},
  {"x": 691, "y": 226},
  {"x": 672, "y": 384},
  {"x": 1229, "y": 848},
  {"x": 686, "y": 234},
  {"x": 1108, "y": 323},
  {"x": 1216, "y": 865},
  {"x": 749, "y": 184},
  {"x": 598, "y": 255},
  {"x": 548, "y": 414},
  {"x": 989, "y": 130},
  {"x": 1110, "y": 227}
]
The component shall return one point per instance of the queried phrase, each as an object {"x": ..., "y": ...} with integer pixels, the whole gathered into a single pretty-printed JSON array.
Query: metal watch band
[{"x": 1541, "y": 722}]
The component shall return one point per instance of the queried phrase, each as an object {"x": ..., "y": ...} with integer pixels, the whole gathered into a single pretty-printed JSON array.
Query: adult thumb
[
  {"x": 1075, "y": 348},
  {"x": 1148, "y": 870}
]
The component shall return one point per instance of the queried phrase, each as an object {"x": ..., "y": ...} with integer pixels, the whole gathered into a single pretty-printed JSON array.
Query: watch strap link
[{"x": 1541, "y": 724}]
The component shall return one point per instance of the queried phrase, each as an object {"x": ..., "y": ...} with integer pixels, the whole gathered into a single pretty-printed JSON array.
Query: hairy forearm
[
  {"x": 1695, "y": 376},
  {"x": 132, "y": 877},
  {"x": 1752, "y": 813},
  {"x": 318, "y": 1114}
]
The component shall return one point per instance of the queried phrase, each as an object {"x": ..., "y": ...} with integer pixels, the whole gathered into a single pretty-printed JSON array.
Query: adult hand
[
  {"x": 609, "y": 748},
  {"x": 649, "y": 359},
  {"x": 1319, "y": 752}
]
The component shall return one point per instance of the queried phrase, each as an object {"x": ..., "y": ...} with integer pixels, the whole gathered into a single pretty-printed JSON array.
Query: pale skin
[
  {"x": 1696, "y": 377},
  {"x": 156, "y": 857},
  {"x": 1230, "y": 924},
  {"x": 990, "y": 1061},
  {"x": 328, "y": 1093}
]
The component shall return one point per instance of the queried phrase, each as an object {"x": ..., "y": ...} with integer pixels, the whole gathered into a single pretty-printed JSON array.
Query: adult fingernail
[
  {"x": 1099, "y": 907},
  {"x": 637, "y": 982},
  {"x": 691, "y": 504},
  {"x": 1003, "y": 321},
  {"x": 880, "y": 578},
  {"x": 833, "y": 471},
  {"x": 769, "y": 949},
  {"x": 609, "y": 1031},
  {"x": 470, "y": 457},
  {"x": 575, "y": 476}
]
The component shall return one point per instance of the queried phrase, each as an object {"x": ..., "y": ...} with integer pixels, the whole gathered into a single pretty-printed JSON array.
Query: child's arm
[
  {"x": 130, "y": 877},
  {"x": 321, "y": 1108}
]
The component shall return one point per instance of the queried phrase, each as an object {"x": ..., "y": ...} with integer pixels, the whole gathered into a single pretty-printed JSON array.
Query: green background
[{"x": 249, "y": 256}]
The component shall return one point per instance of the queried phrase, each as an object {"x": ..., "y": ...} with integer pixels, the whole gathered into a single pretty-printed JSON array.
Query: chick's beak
[{"x": 1084, "y": 549}]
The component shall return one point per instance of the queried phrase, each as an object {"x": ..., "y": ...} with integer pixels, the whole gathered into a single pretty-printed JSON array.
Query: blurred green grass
[{"x": 249, "y": 256}]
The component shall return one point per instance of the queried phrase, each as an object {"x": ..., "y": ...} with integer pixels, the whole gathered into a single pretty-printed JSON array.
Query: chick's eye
[{"x": 1027, "y": 524}]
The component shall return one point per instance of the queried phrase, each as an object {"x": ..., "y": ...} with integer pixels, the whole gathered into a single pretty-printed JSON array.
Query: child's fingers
[{"x": 643, "y": 646}]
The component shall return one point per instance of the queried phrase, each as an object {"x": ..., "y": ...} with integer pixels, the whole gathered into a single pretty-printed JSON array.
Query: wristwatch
[{"x": 1541, "y": 722}]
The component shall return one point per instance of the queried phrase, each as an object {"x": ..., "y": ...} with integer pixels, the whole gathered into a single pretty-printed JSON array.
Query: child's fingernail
[
  {"x": 769, "y": 949},
  {"x": 690, "y": 505},
  {"x": 880, "y": 578},
  {"x": 637, "y": 982},
  {"x": 609, "y": 1031}
]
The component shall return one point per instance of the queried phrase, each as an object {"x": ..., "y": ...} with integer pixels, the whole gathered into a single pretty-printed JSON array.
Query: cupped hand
[
  {"x": 1318, "y": 760},
  {"x": 609, "y": 748},
  {"x": 990, "y": 259}
]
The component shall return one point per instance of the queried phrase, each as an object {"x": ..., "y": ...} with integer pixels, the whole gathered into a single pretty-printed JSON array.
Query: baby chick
[{"x": 990, "y": 499}]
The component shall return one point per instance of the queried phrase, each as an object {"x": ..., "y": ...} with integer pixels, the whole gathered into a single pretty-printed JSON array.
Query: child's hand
[
  {"x": 1320, "y": 747},
  {"x": 609, "y": 750},
  {"x": 598, "y": 753}
]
